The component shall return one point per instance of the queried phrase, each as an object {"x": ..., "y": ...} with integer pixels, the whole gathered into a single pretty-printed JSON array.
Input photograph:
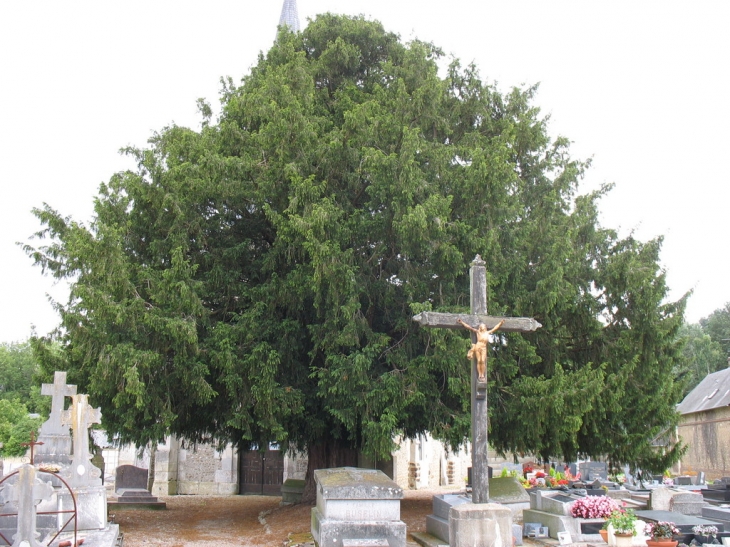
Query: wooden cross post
[{"x": 479, "y": 417}]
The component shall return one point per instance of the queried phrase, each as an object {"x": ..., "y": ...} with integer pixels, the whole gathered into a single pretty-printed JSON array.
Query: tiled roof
[{"x": 712, "y": 392}]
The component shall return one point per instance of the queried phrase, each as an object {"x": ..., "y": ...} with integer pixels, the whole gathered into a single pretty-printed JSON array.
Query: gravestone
[
  {"x": 717, "y": 514},
  {"x": 590, "y": 471},
  {"x": 357, "y": 507},
  {"x": 55, "y": 435},
  {"x": 292, "y": 490},
  {"x": 685, "y": 523},
  {"x": 551, "y": 508},
  {"x": 27, "y": 493},
  {"x": 677, "y": 501},
  {"x": 129, "y": 476},
  {"x": 83, "y": 477},
  {"x": 130, "y": 485},
  {"x": 477, "y": 523}
]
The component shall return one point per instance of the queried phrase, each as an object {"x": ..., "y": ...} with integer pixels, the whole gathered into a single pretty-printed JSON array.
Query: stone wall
[{"x": 707, "y": 435}]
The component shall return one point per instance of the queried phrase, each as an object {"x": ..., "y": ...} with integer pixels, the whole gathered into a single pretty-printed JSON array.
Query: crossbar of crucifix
[{"x": 450, "y": 321}]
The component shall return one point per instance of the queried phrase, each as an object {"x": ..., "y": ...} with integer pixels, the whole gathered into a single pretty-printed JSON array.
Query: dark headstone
[{"x": 130, "y": 477}]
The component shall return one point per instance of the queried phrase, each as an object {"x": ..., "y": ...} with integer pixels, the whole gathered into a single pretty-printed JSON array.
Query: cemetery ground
[{"x": 249, "y": 521}]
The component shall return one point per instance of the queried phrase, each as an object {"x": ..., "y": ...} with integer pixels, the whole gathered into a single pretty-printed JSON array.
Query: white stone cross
[
  {"x": 58, "y": 390},
  {"x": 28, "y": 493},
  {"x": 80, "y": 417}
]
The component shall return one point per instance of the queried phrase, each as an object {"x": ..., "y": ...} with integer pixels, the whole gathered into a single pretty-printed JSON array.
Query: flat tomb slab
[
  {"x": 354, "y": 483},
  {"x": 683, "y": 522}
]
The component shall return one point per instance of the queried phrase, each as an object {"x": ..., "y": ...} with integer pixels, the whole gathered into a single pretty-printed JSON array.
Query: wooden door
[{"x": 261, "y": 472}]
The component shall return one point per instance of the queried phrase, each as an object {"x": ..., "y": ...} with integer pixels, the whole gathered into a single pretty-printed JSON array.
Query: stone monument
[
  {"x": 357, "y": 508},
  {"x": 27, "y": 493},
  {"x": 55, "y": 436},
  {"x": 479, "y": 522},
  {"x": 82, "y": 476}
]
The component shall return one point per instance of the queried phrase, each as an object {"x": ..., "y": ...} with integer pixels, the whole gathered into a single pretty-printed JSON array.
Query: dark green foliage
[{"x": 255, "y": 281}]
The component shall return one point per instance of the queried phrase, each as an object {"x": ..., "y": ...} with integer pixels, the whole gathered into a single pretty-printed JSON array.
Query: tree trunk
[
  {"x": 325, "y": 455},
  {"x": 151, "y": 472}
]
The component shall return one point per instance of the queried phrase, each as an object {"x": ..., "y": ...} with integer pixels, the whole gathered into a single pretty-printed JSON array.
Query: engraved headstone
[{"x": 129, "y": 476}]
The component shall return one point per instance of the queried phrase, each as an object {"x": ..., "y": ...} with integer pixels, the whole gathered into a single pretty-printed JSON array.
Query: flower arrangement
[
  {"x": 594, "y": 507},
  {"x": 704, "y": 530},
  {"x": 661, "y": 529},
  {"x": 623, "y": 522}
]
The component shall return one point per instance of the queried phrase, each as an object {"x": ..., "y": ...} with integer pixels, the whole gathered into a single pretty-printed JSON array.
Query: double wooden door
[{"x": 261, "y": 472}]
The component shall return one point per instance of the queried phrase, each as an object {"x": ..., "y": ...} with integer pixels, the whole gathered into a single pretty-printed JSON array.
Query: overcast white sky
[{"x": 642, "y": 87}]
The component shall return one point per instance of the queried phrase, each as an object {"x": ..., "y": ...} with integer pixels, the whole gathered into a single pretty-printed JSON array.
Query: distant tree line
[
  {"x": 706, "y": 349},
  {"x": 19, "y": 397}
]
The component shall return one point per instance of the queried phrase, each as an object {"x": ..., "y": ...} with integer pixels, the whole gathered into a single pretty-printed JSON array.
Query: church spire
[{"x": 289, "y": 15}]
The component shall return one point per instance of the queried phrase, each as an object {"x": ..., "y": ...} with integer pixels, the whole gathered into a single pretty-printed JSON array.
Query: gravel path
[{"x": 226, "y": 521}]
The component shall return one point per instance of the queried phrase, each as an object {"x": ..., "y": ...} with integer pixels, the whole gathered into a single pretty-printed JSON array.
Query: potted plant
[
  {"x": 624, "y": 527},
  {"x": 661, "y": 532},
  {"x": 705, "y": 533}
]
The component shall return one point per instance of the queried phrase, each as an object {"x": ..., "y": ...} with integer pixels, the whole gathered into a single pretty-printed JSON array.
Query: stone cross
[
  {"x": 28, "y": 493},
  {"x": 58, "y": 390},
  {"x": 479, "y": 454},
  {"x": 80, "y": 417}
]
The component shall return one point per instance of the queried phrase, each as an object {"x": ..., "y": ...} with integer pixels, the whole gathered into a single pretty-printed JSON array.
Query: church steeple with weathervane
[{"x": 289, "y": 15}]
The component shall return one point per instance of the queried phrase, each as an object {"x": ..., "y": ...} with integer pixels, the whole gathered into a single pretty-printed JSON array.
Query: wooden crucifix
[{"x": 479, "y": 454}]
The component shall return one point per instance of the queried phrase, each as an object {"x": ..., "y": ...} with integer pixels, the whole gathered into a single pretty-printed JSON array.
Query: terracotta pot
[
  {"x": 661, "y": 542},
  {"x": 604, "y": 534},
  {"x": 623, "y": 540}
]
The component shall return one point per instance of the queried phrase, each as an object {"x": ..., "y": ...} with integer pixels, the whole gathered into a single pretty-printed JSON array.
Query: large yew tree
[{"x": 254, "y": 281}]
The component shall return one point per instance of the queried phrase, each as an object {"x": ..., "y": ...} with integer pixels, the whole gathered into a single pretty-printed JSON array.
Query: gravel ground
[{"x": 226, "y": 521}]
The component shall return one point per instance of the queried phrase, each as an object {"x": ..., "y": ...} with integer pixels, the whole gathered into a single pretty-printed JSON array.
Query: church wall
[{"x": 707, "y": 435}]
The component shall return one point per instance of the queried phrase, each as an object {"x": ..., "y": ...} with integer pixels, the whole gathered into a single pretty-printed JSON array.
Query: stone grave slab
[
  {"x": 590, "y": 471},
  {"x": 677, "y": 500},
  {"x": 357, "y": 505},
  {"x": 683, "y": 522},
  {"x": 135, "y": 498},
  {"x": 292, "y": 490},
  {"x": 718, "y": 514},
  {"x": 551, "y": 508}
]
